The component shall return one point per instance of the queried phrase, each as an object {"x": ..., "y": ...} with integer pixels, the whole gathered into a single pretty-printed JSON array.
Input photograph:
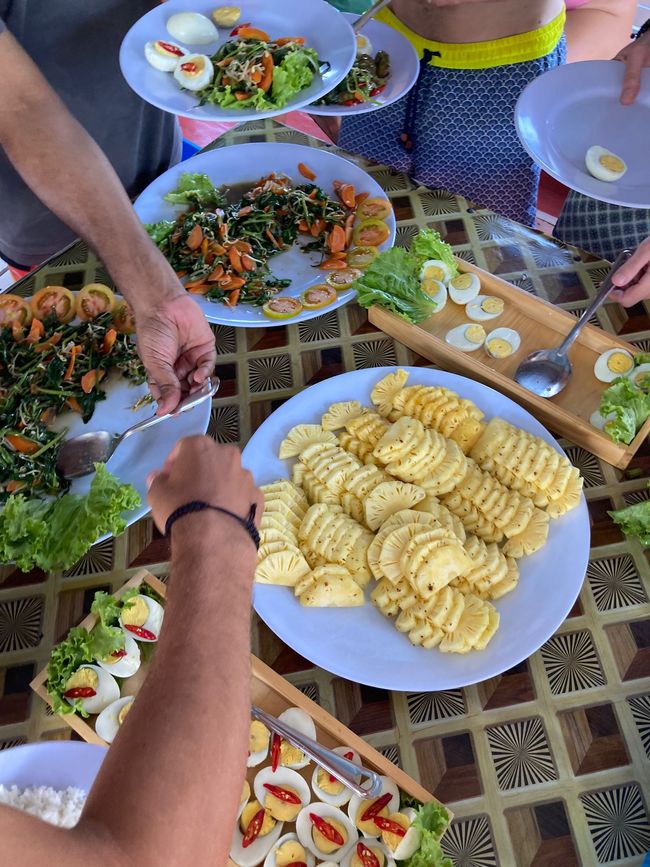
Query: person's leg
[
  {"x": 601, "y": 228},
  {"x": 376, "y": 136}
]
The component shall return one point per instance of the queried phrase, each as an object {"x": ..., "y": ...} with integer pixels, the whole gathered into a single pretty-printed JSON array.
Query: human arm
[
  {"x": 636, "y": 57},
  {"x": 66, "y": 169},
  {"x": 598, "y": 29},
  {"x": 169, "y": 788},
  {"x": 635, "y": 275}
]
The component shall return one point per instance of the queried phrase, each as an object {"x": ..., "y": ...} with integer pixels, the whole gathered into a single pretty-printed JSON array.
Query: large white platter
[
  {"x": 57, "y": 764},
  {"x": 248, "y": 162},
  {"x": 568, "y": 109},
  {"x": 324, "y": 29},
  {"x": 359, "y": 643},
  {"x": 404, "y": 69}
]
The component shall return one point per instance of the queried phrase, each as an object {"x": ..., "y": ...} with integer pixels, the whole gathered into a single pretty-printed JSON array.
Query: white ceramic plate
[
  {"x": 561, "y": 114},
  {"x": 247, "y": 163},
  {"x": 57, "y": 764},
  {"x": 362, "y": 645},
  {"x": 323, "y": 28},
  {"x": 404, "y": 69}
]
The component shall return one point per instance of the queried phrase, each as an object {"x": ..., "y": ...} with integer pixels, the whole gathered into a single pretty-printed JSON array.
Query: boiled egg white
[
  {"x": 435, "y": 269},
  {"x": 192, "y": 27},
  {"x": 599, "y": 421},
  {"x": 108, "y": 723},
  {"x": 258, "y": 743},
  {"x": 464, "y": 288},
  {"x": 290, "y": 756},
  {"x": 354, "y": 859},
  {"x": 402, "y": 848},
  {"x": 484, "y": 307},
  {"x": 194, "y": 72},
  {"x": 640, "y": 376},
  {"x": 315, "y": 842},
  {"x": 286, "y": 779},
  {"x": 502, "y": 342},
  {"x": 256, "y": 852},
  {"x": 466, "y": 337},
  {"x": 612, "y": 364},
  {"x": 163, "y": 56},
  {"x": 245, "y": 797},
  {"x": 104, "y": 684},
  {"x": 357, "y": 807},
  {"x": 126, "y": 662},
  {"x": 289, "y": 850},
  {"x": 364, "y": 45},
  {"x": 142, "y": 613},
  {"x": 604, "y": 165},
  {"x": 334, "y": 793},
  {"x": 436, "y": 290}
]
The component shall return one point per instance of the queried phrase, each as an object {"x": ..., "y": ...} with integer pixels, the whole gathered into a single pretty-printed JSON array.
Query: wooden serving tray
[
  {"x": 540, "y": 325},
  {"x": 269, "y": 691}
]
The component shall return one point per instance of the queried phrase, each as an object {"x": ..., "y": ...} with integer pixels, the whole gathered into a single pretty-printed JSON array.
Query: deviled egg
[
  {"x": 326, "y": 832},
  {"x": 604, "y": 165},
  {"x": 436, "y": 290},
  {"x": 612, "y": 364},
  {"x": 142, "y": 617},
  {"x": 364, "y": 45},
  {"x": 484, "y": 307},
  {"x": 282, "y": 793},
  {"x": 466, "y": 337},
  {"x": 435, "y": 269},
  {"x": 327, "y": 788},
  {"x": 226, "y": 16},
  {"x": 640, "y": 376},
  {"x": 363, "y": 812},
  {"x": 289, "y": 850},
  {"x": 192, "y": 28},
  {"x": 245, "y": 797},
  {"x": 502, "y": 342},
  {"x": 363, "y": 853},
  {"x": 124, "y": 662},
  {"x": 464, "y": 288},
  {"x": 108, "y": 723},
  {"x": 93, "y": 687},
  {"x": 400, "y": 836},
  {"x": 194, "y": 72},
  {"x": 255, "y": 834},
  {"x": 258, "y": 743},
  {"x": 290, "y": 756},
  {"x": 163, "y": 56}
]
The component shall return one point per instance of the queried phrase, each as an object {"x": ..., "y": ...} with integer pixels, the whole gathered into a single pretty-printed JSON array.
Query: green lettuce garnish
[
  {"x": 195, "y": 189},
  {"x": 393, "y": 281},
  {"x": 641, "y": 358},
  {"x": 225, "y": 97},
  {"x": 629, "y": 406},
  {"x": 428, "y": 244},
  {"x": 295, "y": 73},
  {"x": 433, "y": 820},
  {"x": 160, "y": 231},
  {"x": 634, "y": 520}
]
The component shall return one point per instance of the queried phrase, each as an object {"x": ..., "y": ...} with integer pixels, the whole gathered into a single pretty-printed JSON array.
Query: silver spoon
[
  {"x": 547, "y": 371},
  {"x": 368, "y": 14},
  {"x": 77, "y": 456}
]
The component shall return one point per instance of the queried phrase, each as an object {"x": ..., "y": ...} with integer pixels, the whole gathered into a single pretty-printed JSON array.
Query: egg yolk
[
  {"x": 642, "y": 380},
  {"x": 475, "y": 334},
  {"x": 290, "y": 852},
  {"x": 325, "y": 845},
  {"x": 84, "y": 677},
  {"x": 279, "y": 809},
  {"x": 326, "y": 784},
  {"x": 432, "y": 272},
  {"x": 259, "y": 737},
  {"x": 248, "y": 815},
  {"x": 611, "y": 162},
  {"x": 619, "y": 363},
  {"x": 430, "y": 287},
  {"x": 193, "y": 67},
  {"x": 493, "y": 305},
  {"x": 290, "y": 755},
  {"x": 463, "y": 281},
  {"x": 362, "y": 42},
  {"x": 123, "y": 712},
  {"x": 499, "y": 348},
  {"x": 392, "y": 840},
  {"x": 245, "y": 792},
  {"x": 369, "y": 827},
  {"x": 379, "y": 855},
  {"x": 135, "y": 612}
]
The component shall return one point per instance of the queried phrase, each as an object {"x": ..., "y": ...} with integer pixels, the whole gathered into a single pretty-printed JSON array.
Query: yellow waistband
[{"x": 483, "y": 55}]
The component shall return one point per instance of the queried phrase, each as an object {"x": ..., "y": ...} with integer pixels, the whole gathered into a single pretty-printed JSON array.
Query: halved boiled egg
[
  {"x": 640, "y": 376},
  {"x": 502, "y": 342},
  {"x": 226, "y": 16},
  {"x": 604, "y": 165},
  {"x": 327, "y": 788},
  {"x": 108, "y": 723},
  {"x": 124, "y": 662},
  {"x": 598, "y": 420},
  {"x": 613, "y": 363},
  {"x": 283, "y": 793},
  {"x": 163, "y": 56},
  {"x": 93, "y": 687},
  {"x": 484, "y": 307},
  {"x": 464, "y": 288},
  {"x": 245, "y": 797},
  {"x": 466, "y": 337},
  {"x": 359, "y": 856},
  {"x": 192, "y": 27},
  {"x": 400, "y": 836},
  {"x": 435, "y": 269},
  {"x": 258, "y": 743},
  {"x": 142, "y": 617},
  {"x": 290, "y": 756},
  {"x": 364, "y": 45},
  {"x": 194, "y": 72},
  {"x": 326, "y": 832},
  {"x": 256, "y": 832},
  {"x": 363, "y": 812},
  {"x": 436, "y": 290},
  {"x": 289, "y": 850}
]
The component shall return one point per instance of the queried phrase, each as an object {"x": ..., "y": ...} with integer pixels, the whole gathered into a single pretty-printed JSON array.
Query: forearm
[{"x": 598, "y": 31}]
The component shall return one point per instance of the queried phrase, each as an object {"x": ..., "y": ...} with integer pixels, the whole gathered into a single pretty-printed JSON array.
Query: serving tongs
[{"x": 364, "y": 783}]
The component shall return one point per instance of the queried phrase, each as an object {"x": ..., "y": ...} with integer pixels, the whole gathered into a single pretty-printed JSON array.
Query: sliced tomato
[
  {"x": 13, "y": 308},
  {"x": 361, "y": 257},
  {"x": 343, "y": 279},
  {"x": 371, "y": 233},
  {"x": 93, "y": 300},
  {"x": 124, "y": 318},
  {"x": 318, "y": 296},
  {"x": 377, "y": 209},
  {"x": 54, "y": 299},
  {"x": 282, "y": 308}
]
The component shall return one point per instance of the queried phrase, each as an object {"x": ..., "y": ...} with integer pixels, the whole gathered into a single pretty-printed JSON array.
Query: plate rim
[{"x": 40, "y": 754}]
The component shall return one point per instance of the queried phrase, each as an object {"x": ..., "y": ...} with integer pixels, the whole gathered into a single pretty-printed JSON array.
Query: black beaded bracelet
[
  {"x": 642, "y": 29},
  {"x": 199, "y": 506}
]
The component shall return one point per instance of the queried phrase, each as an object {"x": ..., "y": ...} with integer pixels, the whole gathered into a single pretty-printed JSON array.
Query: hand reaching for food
[
  {"x": 636, "y": 57},
  {"x": 633, "y": 278}
]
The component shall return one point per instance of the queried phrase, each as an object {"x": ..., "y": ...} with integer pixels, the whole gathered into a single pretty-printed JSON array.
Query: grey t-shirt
[{"x": 76, "y": 43}]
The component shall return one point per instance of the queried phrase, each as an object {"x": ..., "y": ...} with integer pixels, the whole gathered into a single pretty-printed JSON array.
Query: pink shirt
[{"x": 574, "y": 4}]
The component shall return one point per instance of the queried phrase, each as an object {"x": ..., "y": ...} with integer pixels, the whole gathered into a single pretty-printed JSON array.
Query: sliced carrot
[
  {"x": 306, "y": 172},
  {"x": 285, "y": 40},
  {"x": 74, "y": 352},
  {"x": 216, "y": 274},
  {"x": 248, "y": 262},
  {"x": 269, "y": 234},
  {"x": 194, "y": 283},
  {"x": 47, "y": 416},
  {"x": 303, "y": 227},
  {"x": 200, "y": 289},
  {"x": 349, "y": 220},
  {"x": 227, "y": 60},
  {"x": 243, "y": 212},
  {"x": 240, "y": 95},
  {"x": 340, "y": 255},
  {"x": 332, "y": 264},
  {"x": 180, "y": 274},
  {"x": 336, "y": 239},
  {"x": 318, "y": 227},
  {"x": 267, "y": 79},
  {"x": 36, "y": 331},
  {"x": 17, "y": 331},
  {"x": 346, "y": 194},
  {"x": 235, "y": 260},
  {"x": 22, "y": 444},
  {"x": 217, "y": 248},
  {"x": 109, "y": 340},
  {"x": 91, "y": 379},
  {"x": 252, "y": 33},
  {"x": 48, "y": 344},
  {"x": 361, "y": 197},
  {"x": 74, "y": 404},
  {"x": 242, "y": 246},
  {"x": 14, "y": 486},
  {"x": 204, "y": 246},
  {"x": 230, "y": 281},
  {"x": 256, "y": 77},
  {"x": 194, "y": 238},
  {"x": 233, "y": 298}
]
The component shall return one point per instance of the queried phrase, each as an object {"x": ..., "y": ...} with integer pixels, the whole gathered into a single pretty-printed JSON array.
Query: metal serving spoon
[
  {"x": 78, "y": 456},
  {"x": 547, "y": 371}
]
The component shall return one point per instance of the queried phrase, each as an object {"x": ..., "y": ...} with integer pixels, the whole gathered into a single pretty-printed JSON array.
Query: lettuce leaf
[
  {"x": 64, "y": 661},
  {"x": 641, "y": 358},
  {"x": 225, "y": 97},
  {"x": 160, "y": 231},
  {"x": 433, "y": 820},
  {"x": 393, "y": 281},
  {"x": 195, "y": 189},
  {"x": 634, "y": 520},
  {"x": 428, "y": 244},
  {"x": 630, "y": 407},
  {"x": 292, "y": 75}
]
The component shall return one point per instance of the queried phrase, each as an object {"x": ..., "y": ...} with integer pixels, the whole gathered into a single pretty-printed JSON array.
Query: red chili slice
[
  {"x": 368, "y": 857},
  {"x": 254, "y": 828},
  {"x": 188, "y": 67},
  {"x": 376, "y": 808},
  {"x": 389, "y": 826},
  {"x": 377, "y": 90},
  {"x": 297, "y": 864},
  {"x": 348, "y": 756},
  {"x": 282, "y": 794},
  {"x": 239, "y": 27},
  {"x": 118, "y": 654},
  {"x": 80, "y": 692},
  {"x": 172, "y": 49},
  {"x": 141, "y": 632},
  {"x": 328, "y": 831},
  {"x": 275, "y": 752}
]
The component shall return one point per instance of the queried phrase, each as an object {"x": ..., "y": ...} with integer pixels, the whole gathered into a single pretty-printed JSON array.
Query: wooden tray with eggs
[
  {"x": 276, "y": 696},
  {"x": 525, "y": 323}
]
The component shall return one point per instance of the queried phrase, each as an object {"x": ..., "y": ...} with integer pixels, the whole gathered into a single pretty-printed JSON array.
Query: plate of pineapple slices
[{"x": 420, "y": 531}]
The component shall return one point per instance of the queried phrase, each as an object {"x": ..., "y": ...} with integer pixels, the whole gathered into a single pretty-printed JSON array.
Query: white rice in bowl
[{"x": 58, "y": 807}]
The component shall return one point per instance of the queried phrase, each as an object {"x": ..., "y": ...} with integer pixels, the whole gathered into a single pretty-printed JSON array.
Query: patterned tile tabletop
[{"x": 547, "y": 764}]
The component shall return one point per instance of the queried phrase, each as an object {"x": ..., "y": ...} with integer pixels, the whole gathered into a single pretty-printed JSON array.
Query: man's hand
[
  {"x": 635, "y": 276},
  {"x": 177, "y": 347},
  {"x": 636, "y": 57}
]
